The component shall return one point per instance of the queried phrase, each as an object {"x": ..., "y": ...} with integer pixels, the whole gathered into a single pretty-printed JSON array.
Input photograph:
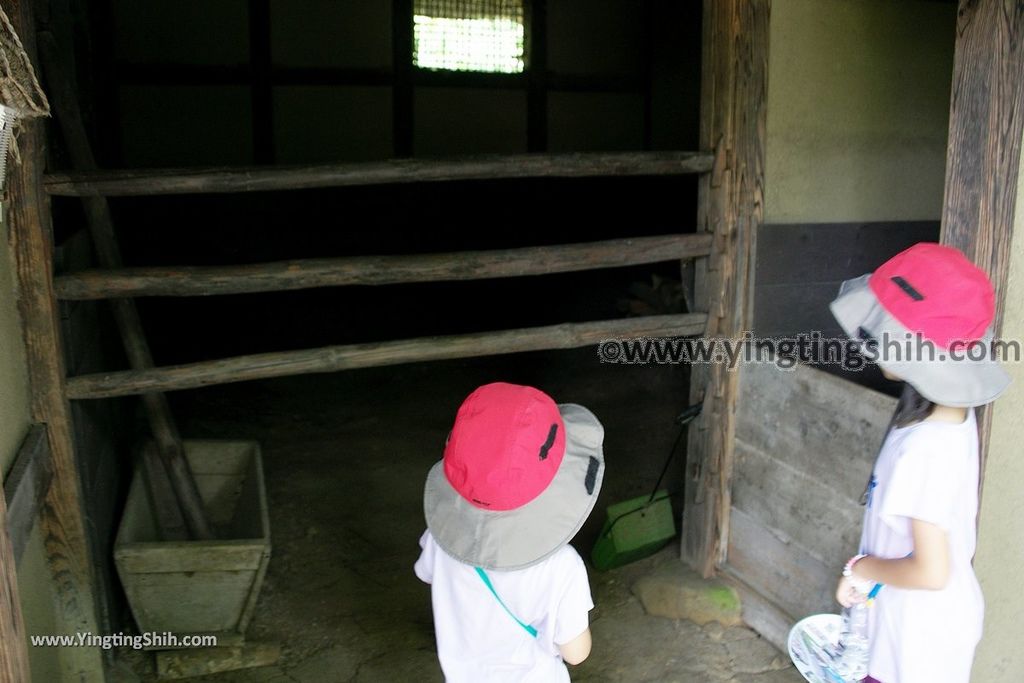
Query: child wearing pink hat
[
  {"x": 510, "y": 596},
  {"x": 918, "y": 537}
]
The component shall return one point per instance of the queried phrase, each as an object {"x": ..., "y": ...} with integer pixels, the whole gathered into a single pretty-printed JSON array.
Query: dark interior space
[
  {"x": 260, "y": 251},
  {"x": 405, "y": 219},
  {"x": 184, "y": 84},
  {"x": 192, "y": 84}
]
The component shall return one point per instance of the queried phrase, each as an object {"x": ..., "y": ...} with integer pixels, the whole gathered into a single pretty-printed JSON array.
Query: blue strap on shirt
[{"x": 487, "y": 582}]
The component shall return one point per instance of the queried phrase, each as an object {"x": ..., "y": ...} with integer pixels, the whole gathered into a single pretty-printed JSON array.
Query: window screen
[{"x": 469, "y": 35}]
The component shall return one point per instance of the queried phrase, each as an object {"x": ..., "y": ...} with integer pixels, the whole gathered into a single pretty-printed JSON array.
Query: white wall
[
  {"x": 34, "y": 585},
  {"x": 1000, "y": 559},
  {"x": 858, "y": 110}
]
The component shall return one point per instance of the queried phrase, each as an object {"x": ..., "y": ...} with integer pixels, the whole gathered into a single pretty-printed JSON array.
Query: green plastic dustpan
[
  {"x": 634, "y": 529},
  {"x": 641, "y": 526}
]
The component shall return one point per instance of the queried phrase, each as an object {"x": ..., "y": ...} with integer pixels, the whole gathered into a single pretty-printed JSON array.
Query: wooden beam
[
  {"x": 647, "y": 52},
  {"x": 242, "y": 74},
  {"x": 986, "y": 123},
  {"x": 175, "y": 664},
  {"x": 537, "y": 73},
  {"x": 126, "y": 316},
  {"x": 128, "y": 73},
  {"x": 13, "y": 642},
  {"x": 377, "y": 270},
  {"x": 334, "y": 358},
  {"x": 63, "y": 525},
  {"x": 733, "y": 94},
  {"x": 194, "y": 181},
  {"x": 402, "y": 106},
  {"x": 26, "y": 486},
  {"x": 260, "y": 85}
]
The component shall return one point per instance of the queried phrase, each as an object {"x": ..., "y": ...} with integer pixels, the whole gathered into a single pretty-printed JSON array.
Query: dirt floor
[{"x": 345, "y": 458}]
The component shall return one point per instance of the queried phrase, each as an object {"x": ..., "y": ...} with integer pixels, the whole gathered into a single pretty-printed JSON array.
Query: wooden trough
[{"x": 204, "y": 586}]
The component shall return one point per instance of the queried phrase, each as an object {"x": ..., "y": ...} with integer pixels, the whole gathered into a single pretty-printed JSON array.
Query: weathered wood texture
[
  {"x": 805, "y": 443},
  {"x": 13, "y": 643},
  {"x": 378, "y": 270},
  {"x": 986, "y": 123},
  {"x": 199, "y": 586},
  {"x": 63, "y": 527},
  {"x": 335, "y": 358},
  {"x": 126, "y": 316},
  {"x": 166, "y": 511},
  {"x": 733, "y": 98},
  {"x": 174, "y": 664},
  {"x": 759, "y": 613},
  {"x": 26, "y": 486},
  {"x": 256, "y": 179}
]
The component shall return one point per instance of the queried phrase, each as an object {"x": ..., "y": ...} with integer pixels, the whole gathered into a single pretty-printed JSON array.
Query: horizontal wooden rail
[
  {"x": 266, "y": 178},
  {"x": 377, "y": 270},
  {"x": 204, "y": 74},
  {"x": 334, "y": 358}
]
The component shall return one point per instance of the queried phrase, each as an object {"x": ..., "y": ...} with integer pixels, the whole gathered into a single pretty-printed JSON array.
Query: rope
[
  {"x": 21, "y": 95},
  {"x": 19, "y": 87}
]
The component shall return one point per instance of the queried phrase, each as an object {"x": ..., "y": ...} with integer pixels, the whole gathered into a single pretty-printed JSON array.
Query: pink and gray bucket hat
[
  {"x": 930, "y": 312},
  {"x": 519, "y": 477}
]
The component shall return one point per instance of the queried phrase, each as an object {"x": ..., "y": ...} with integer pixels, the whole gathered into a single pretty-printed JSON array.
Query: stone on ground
[{"x": 677, "y": 592}]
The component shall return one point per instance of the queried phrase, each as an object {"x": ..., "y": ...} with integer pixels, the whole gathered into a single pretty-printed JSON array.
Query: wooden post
[
  {"x": 262, "y": 90},
  {"x": 13, "y": 644},
  {"x": 108, "y": 253},
  {"x": 67, "y": 545},
  {"x": 537, "y": 72},
  {"x": 733, "y": 97},
  {"x": 402, "y": 104},
  {"x": 986, "y": 119}
]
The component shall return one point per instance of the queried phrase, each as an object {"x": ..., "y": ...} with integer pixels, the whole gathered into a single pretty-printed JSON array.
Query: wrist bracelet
[
  {"x": 848, "y": 569},
  {"x": 862, "y": 585}
]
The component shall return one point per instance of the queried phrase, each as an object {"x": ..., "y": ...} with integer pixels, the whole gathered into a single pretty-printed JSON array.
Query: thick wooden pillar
[
  {"x": 63, "y": 519},
  {"x": 980, "y": 210},
  {"x": 733, "y": 99},
  {"x": 13, "y": 648},
  {"x": 986, "y": 120}
]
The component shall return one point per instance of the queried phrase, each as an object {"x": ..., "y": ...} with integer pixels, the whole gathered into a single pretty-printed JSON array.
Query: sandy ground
[{"x": 345, "y": 457}]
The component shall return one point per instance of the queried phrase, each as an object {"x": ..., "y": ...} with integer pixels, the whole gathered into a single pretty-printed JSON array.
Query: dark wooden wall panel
[{"x": 799, "y": 268}]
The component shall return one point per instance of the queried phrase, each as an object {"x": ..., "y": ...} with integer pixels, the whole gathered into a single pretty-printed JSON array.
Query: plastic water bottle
[{"x": 852, "y": 663}]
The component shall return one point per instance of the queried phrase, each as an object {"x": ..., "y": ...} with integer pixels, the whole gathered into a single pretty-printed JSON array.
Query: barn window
[{"x": 469, "y": 35}]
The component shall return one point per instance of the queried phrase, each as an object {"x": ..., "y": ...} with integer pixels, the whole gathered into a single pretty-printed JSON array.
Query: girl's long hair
[{"x": 912, "y": 407}]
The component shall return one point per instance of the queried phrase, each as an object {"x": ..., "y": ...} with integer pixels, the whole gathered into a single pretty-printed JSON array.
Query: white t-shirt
[
  {"x": 477, "y": 640},
  {"x": 926, "y": 471}
]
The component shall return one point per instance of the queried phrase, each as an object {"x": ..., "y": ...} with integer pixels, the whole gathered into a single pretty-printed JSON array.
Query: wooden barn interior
[{"x": 257, "y": 252}]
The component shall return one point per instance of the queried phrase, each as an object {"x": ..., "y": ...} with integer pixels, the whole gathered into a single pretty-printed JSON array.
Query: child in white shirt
[
  {"x": 919, "y": 536},
  {"x": 519, "y": 477}
]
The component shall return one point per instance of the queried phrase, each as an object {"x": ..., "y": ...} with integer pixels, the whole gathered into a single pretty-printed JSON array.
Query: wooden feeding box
[{"x": 189, "y": 587}]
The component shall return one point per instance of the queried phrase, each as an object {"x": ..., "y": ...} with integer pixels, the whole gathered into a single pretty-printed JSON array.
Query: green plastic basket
[{"x": 634, "y": 529}]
